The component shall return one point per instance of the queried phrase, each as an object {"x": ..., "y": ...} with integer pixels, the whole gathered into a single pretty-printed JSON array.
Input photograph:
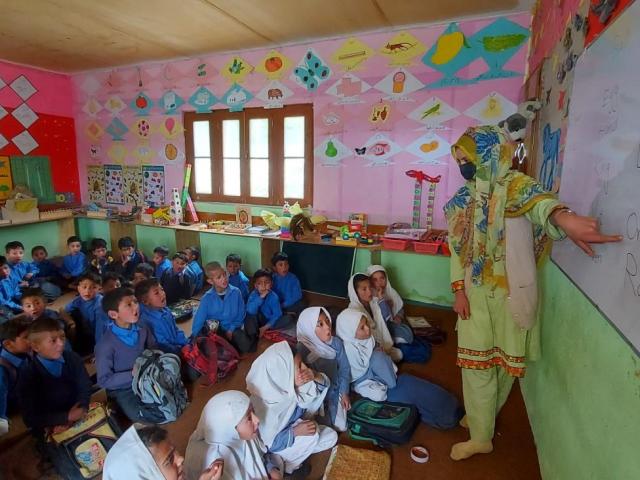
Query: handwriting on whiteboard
[
  {"x": 610, "y": 100},
  {"x": 632, "y": 273}
]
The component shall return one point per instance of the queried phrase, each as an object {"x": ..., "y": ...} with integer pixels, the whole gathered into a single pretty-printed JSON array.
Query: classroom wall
[
  {"x": 53, "y": 130},
  {"x": 462, "y": 74}
]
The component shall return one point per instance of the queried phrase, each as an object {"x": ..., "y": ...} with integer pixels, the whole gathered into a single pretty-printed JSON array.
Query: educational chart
[
  {"x": 153, "y": 185},
  {"x": 601, "y": 173}
]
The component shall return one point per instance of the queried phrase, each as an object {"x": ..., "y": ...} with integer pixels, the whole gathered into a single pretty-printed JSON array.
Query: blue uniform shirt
[
  {"x": 240, "y": 281},
  {"x": 228, "y": 309},
  {"x": 161, "y": 322},
  {"x": 288, "y": 289}
]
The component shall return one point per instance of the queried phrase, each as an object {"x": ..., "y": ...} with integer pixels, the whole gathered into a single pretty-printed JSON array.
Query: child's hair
[
  {"x": 125, "y": 242},
  {"x": 143, "y": 288},
  {"x": 97, "y": 243},
  {"x": 13, "y": 328},
  {"x": 111, "y": 301},
  {"x": 212, "y": 267},
  {"x": 44, "y": 324},
  {"x": 195, "y": 251},
  {"x": 234, "y": 257},
  {"x": 358, "y": 279},
  {"x": 261, "y": 272},
  {"x": 279, "y": 257},
  {"x": 161, "y": 250},
  {"x": 151, "y": 435},
  {"x": 145, "y": 269},
  {"x": 13, "y": 245},
  {"x": 73, "y": 239},
  {"x": 32, "y": 292},
  {"x": 37, "y": 248},
  {"x": 182, "y": 256},
  {"x": 111, "y": 276},
  {"x": 3, "y": 260},
  {"x": 91, "y": 276}
]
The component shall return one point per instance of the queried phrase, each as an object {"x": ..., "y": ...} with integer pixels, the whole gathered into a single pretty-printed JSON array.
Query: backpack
[
  {"x": 386, "y": 424},
  {"x": 157, "y": 382},
  {"x": 418, "y": 351},
  {"x": 211, "y": 355}
]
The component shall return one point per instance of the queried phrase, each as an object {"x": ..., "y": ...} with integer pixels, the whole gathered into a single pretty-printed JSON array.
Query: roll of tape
[{"x": 419, "y": 454}]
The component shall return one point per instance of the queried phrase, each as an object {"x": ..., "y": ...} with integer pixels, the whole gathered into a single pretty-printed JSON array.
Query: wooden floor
[{"x": 514, "y": 455}]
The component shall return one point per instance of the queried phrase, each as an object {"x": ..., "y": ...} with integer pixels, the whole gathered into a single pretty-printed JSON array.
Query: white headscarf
[
  {"x": 216, "y": 437},
  {"x": 273, "y": 394},
  {"x": 358, "y": 351},
  {"x": 130, "y": 458},
  {"x": 389, "y": 292},
  {"x": 378, "y": 326},
  {"x": 306, "y": 332}
]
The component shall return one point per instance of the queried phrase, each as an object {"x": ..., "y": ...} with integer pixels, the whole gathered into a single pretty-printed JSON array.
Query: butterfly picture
[
  {"x": 361, "y": 151},
  {"x": 312, "y": 72}
]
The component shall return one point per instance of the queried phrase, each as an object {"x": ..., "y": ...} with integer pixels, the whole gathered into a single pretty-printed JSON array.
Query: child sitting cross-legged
[
  {"x": 325, "y": 353},
  {"x": 116, "y": 352},
  {"x": 264, "y": 305},
  {"x": 176, "y": 281},
  {"x": 286, "y": 394},
  {"x": 194, "y": 268},
  {"x": 287, "y": 285},
  {"x": 223, "y": 303},
  {"x": 373, "y": 375},
  {"x": 101, "y": 260},
  {"x": 34, "y": 306},
  {"x": 74, "y": 263},
  {"x": 14, "y": 353},
  {"x": 237, "y": 278},
  {"x": 143, "y": 271},
  {"x": 54, "y": 391},
  {"x": 129, "y": 258},
  {"x": 160, "y": 260},
  {"x": 155, "y": 314}
]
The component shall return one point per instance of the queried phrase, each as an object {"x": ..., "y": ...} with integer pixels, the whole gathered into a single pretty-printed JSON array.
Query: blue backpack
[{"x": 418, "y": 351}]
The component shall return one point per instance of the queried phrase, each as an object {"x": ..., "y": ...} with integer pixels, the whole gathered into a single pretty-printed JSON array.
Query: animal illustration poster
[
  {"x": 132, "y": 180},
  {"x": 153, "y": 185},
  {"x": 95, "y": 181},
  {"x": 114, "y": 188}
]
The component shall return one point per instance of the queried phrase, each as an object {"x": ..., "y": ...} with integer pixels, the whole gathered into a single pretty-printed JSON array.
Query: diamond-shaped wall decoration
[
  {"x": 23, "y": 87},
  {"x": 25, "y": 142},
  {"x": 3, "y": 142},
  {"x": 202, "y": 100},
  {"x": 117, "y": 129},
  {"x": 114, "y": 105},
  {"x": 3, "y": 112},
  {"x": 491, "y": 109},
  {"x": 431, "y": 149},
  {"x": 92, "y": 107},
  {"x": 331, "y": 152},
  {"x": 94, "y": 131},
  {"x": 434, "y": 112},
  {"x": 25, "y": 115}
]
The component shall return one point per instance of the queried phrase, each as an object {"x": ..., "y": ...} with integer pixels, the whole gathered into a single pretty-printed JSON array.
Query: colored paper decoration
[
  {"x": 311, "y": 71},
  {"x": 94, "y": 131},
  {"x": 274, "y": 93},
  {"x": 117, "y": 152},
  {"x": 274, "y": 65},
  {"x": 142, "y": 128},
  {"x": 236, "y": 97},
  {"x": 141, "y": 104},
  {"x": 402, "y": 48},
  {"x": 352, "y": 54},
  {"x": 399, "y": 84},
  {"x": 25, "y": 142},
  {"x": 434, "y": 112},
  {"x": 23, "y": 87},
  {"x": 92, "y": 107},
  {"x": 202, "y": 100},
  {"x": 24, "y": 115},
  {"x": 491, "y": 109},
  {"x": 348, "y": 89},
  {"x": 430, "y": 149},
  {"x": 380, "y": 115},
  {"x": 448, "y": 55},
  {"x": 171, "y": 128},
  {"x": 117, "y": 130},
  {"x": 143, "y": 153},
  {"x": 331, "y": 152},
  {"x": 236, "y": 69},
  {"x": 170, "y": 102},
  {"x": 379, "y": 150},
  {"x": 5, "y": 176},
  {"x": 114, "y": 105}
]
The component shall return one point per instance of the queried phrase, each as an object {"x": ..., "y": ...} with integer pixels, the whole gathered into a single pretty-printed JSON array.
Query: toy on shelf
[
  {"x": 434, "y": 242},
  {"x": 294, "y": 221},
  {"x": 235, "y": 227},
  {"x": 404, "y": 231},
  {"x": 421, "y": 177},
  {"x": 175, "y": 209},
  {"x": 161, "y": 216}
]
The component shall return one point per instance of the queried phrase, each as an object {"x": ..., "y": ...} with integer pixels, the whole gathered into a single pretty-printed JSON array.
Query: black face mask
[{"x": 468, "y": 170}]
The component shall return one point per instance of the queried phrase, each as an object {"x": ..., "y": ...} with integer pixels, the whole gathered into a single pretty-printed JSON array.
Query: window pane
[
  {"x": 231, "y": 168},
  {"x": 201, "y": 145},
  {"x": 259, "y": 177},
  {"x": 259, "y": 137},
  {"x": 202, "y": 174},
  {"x": 294, "y": 137},
  {"x": 231, "y": 138},
  {"x": 294, "y": 177}
]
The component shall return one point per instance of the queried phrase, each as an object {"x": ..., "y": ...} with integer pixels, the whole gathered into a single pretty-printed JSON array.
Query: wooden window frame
[{"x": 276, "y": 118}]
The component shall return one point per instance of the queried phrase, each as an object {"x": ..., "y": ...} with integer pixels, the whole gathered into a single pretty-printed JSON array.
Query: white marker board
[{"x": 601, "y": 172}]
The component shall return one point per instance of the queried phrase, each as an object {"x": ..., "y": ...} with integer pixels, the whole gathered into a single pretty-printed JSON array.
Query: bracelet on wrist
[
  {"x": 457, "y": 286},
  {"x": 558, "y": 211}
]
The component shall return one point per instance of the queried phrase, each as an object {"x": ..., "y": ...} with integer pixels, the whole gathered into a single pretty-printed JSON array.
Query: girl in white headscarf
[
  {"x": 360, "y": 298},
  {"x": 286, "y": 394},
  {"x": 325, "y": 353},
  {"x": 144, "y": 452},
  {"x": 390, "y": 305},
  {"x": 228, "y": 430}
]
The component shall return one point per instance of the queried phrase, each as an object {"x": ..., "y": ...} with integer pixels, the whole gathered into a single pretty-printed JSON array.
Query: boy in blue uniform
[
  {"x": 264, "y": 304},
  {"x": 48, "y": 276},
  {"x": 237, "y": 278},
  {"x": 143, "y": 271},
  {"x": 101, "y": 260},
  {"x": 177, "y": 282},
  {"x": 22, "y": 272},
  {"x": 74, "y": 263},
  {"x": 224, "y": 304},
  {"x": 155, "y": 314},
  {"x": 160, "y": 260},
  {"x": 13, "y": 355},
  {"x": 287, "y": 285},
  {"x": 129, "y": 259},
  {"x": 9, "y": 292},
  {"x": 194, "y": 268}
]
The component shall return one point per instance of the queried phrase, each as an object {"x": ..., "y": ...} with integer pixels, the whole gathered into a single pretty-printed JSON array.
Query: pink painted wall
[{"x": 350, "y": 185}]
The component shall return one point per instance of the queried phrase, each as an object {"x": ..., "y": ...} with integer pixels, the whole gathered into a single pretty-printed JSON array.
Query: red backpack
[{"x": 211, "y": 355}]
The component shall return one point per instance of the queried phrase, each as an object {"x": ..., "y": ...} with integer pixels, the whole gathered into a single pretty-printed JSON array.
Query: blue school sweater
[
  {"x": 163, "y": 326},
  {"x": 115, "y": 359},
  {"x": 164, "y": 265},
  {"x": 177, "y": 286},
  {"x": 240, "y": 281},
  {"x": 9, "y": 292},
  {"x": 197, "y": 274},
  {"x": 46, "y": 269},
  {"x": 129, "y": 268},
  {"x": 269, "y": 306},
  {"x": 22, "y": 268},
  {"x": 74, "y": 265},
  {"x": 8, "y": 384},
  {"x": 288, "y": 289},
  {"x": 228, "y": 309},
  {"x": 91, "y": 313}
]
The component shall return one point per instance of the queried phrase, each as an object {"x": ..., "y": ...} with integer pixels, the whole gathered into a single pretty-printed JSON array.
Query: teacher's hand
[
  {"x": 214, "y": 472},
  {"x": 461, "y": 305},
  {"x": 582, "y": 230}
]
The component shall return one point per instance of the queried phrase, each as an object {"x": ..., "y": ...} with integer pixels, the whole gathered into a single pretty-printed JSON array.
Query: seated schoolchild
[
  {"x": 264, "y": 305},
  {"x": 194, "y": 267},
  {"x": 360, "y": 298},
  {"x": 373, "y": 375},
  {"x": 228, "y": 432},
  {"x": 48, "y": 276},
  {"x": 160, "y": 260},
  {"x": 154, "y": 313},
  {"x": 285, "y": 394},
  {"x": 86, "y": 312},
  {"x": 237, "y": 278},
  {"x": 223, "y": 303},
  {"x": 111, "y": 281},
  {"x": 74, "y": 263},
  {"x": 389, "y": 305},
  {"x": 10, "y": 292},
  {"x": 122, "y": 342},
  {"x": 34, "y": 306},
  {"x": 54, "y": 391},
  {"x": 176, "y": 282},
  {"x": 143, "y": 271},
  {"x": 101, "y": 260},
  {"x": 144, "y": 452},
  {"x": 129, "y": 258},
  {"x": 14, "y": 353},
  {"x": 325, "y": 353},
  {"x": 287, "y": 285},
  {"x": 23, "y": 273}
]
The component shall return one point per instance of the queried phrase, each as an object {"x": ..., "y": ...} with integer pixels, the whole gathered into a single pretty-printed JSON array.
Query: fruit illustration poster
[
  {"x": 132, "y": 181},
  {"x": 114, "y": 188},
  {"x": 153, "y": 185}
]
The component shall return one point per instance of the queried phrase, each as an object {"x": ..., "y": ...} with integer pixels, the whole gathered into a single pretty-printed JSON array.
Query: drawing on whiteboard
[
  {"x": 551, "y": 154},
  {"x": 610, "y": 101}
]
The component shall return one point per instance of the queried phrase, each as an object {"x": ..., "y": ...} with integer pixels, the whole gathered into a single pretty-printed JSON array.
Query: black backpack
[{"x": 386, "y": 424}]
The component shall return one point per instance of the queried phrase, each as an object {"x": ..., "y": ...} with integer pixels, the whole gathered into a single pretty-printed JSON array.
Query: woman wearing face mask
[{"x": 500, "y": 225}]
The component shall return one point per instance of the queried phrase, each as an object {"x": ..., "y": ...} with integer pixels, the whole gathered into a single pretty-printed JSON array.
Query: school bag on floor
[
  {"x": 88, "y": 440},
  {"x": 386, "y": 424},
  {"x": 212, "y": 356},
  {"x": 418, "y": 351},
  {"x": 157, "y": 382}
]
